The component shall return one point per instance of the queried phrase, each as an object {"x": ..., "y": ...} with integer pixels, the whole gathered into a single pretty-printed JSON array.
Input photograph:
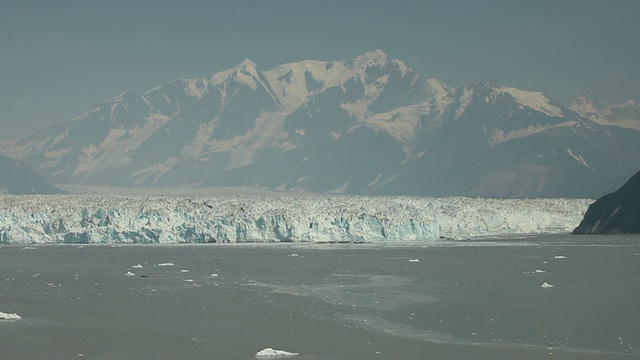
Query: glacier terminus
[{"x": 88, "y": 219}]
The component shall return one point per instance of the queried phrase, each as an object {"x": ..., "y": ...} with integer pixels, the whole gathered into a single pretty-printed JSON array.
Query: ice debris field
[{"x": 76, "y": 219}]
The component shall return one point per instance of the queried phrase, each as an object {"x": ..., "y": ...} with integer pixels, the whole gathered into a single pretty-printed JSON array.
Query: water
[{"x": 460, "y": 300}]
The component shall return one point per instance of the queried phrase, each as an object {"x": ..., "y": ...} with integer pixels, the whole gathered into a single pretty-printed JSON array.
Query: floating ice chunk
[
  {"x": 137, "y": 266},
  {"x": 414, "y": 260},
  {"x": 184, "y": 271},
  {"x": 293, "y": 255},
  {"x": 166, "y": 264},
  {"x": 536, "y": 271},
  {"x": 214, "y": 275},
  {"x": 9, "y": 316},
  {"x": 29, "y": 248},
  {"x": 188, "y": 280},
  {"x": 129, "y": 273},
  {"x": 546, "y": 285},
  {"x": 559, "y": 257},
  {"x": 272, "y": 353}
]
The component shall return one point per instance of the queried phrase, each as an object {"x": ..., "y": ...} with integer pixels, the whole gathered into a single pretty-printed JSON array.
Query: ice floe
[
  {"x": 9, "y": 316},
  {"x": 546, "y": 285},
  {"x": 272, "y": 353},
  {"x": 166, "y": 264},
  {"x": 559, "y": 257},
  {"x": 137, "y": 266},
  {"x": 129, "y": 273}
]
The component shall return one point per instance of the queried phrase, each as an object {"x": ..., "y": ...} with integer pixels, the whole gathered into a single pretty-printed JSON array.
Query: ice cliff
[{"x": 138, "y": 219}]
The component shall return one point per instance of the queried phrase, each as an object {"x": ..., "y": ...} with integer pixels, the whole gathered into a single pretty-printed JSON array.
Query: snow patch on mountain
[
  {"x": 579, "y": 159},
  {"x": 438, "y": 86},
  {"x": 626, "y": 115},
  {"x": 196, "y": 87},
  {"x": 499, "y": 136},
  {"x": 247, "y": 73},
  {"x": 400, "y": 123},
  {"x": 532, "y": 99},
  {"x": 54, "y": 154},
  {"x": 116, "y": 146},
  {"x": 464, "y": 101},
  {"x": 289, "y": 81},
  {"x": 152, "y": 173}
]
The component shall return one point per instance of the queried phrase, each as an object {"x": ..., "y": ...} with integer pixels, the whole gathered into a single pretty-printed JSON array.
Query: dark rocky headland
[{"x": 614, "y": 213}]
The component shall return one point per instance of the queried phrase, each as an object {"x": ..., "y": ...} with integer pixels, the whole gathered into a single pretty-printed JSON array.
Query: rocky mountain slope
[
  {"x": 369, "y": 125},
  {"x": 18, "y": 178},
  {"x": 614, "y": 213}
]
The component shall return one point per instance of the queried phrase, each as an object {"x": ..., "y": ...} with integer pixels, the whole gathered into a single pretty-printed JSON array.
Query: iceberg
[
  {"x": 546, "y": 285},
  {"x": 268, "y": 353},
  {"x": 88, "y": 219},
  {"x": 9, "y": 316}
]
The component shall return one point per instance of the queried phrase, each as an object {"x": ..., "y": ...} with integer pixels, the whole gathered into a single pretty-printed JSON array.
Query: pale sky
[{"x": 58, "y": 58}]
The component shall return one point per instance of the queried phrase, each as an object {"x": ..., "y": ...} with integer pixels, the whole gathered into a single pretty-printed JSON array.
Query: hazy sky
[{"x": 58, "y": 58}]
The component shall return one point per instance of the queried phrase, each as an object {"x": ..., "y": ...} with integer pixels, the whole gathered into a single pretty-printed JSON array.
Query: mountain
[
  {"x": 614, "y": 213},
  {"x": 494, "y": 140},
  {"x": 369, "y": 125},
  {"x": 17, "y": 178}
]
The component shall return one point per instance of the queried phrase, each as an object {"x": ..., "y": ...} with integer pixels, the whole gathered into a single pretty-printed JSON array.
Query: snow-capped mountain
[
  {"x": 369, "y": 125},
  {"x": 17, "y": 178},
  {"x": 501, "y": 141}
]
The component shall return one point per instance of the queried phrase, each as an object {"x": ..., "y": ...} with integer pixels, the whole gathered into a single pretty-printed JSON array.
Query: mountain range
[{"x": 368, "y": 125}]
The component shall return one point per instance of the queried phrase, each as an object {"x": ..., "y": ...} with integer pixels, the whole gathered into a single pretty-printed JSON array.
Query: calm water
[{"x": 461, "y": 300}]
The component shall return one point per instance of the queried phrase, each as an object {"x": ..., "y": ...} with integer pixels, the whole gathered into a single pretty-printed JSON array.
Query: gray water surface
[{"x": 454, "y": 300}]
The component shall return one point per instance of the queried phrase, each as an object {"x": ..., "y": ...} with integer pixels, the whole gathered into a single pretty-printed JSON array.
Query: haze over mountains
[
  {"x": 369, "y": 125},
  {"x": 18, "y": 178}
]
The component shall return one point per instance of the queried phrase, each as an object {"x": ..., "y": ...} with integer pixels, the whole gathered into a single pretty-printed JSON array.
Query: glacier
[{"x": 91, "y": 219}]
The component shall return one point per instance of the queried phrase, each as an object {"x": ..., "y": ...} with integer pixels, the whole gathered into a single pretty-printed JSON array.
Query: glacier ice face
[{"x": 169, "y": 220}]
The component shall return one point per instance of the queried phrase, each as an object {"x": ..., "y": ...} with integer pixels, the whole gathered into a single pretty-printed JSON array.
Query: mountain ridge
[{"x": 368, "y": 125}]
